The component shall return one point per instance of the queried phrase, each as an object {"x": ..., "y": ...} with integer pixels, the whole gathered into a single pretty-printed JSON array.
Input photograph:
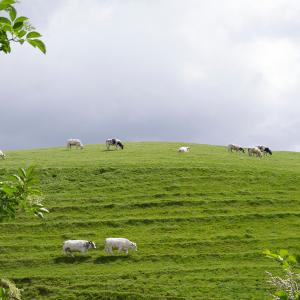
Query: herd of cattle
[
  {"x": 258, "y": 151},
  {"x": 123, "y": 244}
]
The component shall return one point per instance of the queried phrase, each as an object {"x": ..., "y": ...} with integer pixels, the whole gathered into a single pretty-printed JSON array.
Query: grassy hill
[{"x": 200, "y": 219}]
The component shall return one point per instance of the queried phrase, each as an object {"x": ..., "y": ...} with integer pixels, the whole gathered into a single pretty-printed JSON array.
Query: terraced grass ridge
[{"x": 200, "y": 220}]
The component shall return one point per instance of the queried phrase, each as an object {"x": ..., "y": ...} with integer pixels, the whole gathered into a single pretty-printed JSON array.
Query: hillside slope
[{"x": 200, "y": 219}]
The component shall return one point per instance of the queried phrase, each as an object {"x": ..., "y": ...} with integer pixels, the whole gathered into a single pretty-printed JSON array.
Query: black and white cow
[
  {"x": 78, "y": 246},
  {"x": 236, "y": 148},
  {"x": 265, "y": 150},
  {"x": 114, "y": 142}
]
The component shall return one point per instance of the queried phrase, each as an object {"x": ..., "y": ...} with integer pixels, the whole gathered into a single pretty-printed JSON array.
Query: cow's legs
[
  {"x": 68, "y": 251},
  {"x": 108, "y": 250}
]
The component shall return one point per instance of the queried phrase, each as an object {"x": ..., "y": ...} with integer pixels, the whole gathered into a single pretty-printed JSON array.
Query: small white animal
[
  {"x": 254, "y": 152},
  {"x": 121, "y": 244},
  {"x": 74, "y": 142},
  {"x": 184, "y": 149},
  {"x": 77, "y": 246},
  {"x": 2, "y": 155}
]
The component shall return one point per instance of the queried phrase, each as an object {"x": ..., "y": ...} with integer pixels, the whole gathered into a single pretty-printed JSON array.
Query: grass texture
[{"x": 200, "y": 220}]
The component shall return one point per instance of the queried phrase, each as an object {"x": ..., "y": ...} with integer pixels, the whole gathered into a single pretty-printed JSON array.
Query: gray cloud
[{"x": 200, "y": 71}]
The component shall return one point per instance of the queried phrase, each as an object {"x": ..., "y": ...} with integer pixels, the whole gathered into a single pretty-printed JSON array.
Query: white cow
[
  {"x": 74, "y": 142},
  {"x": 2, "y": 155},
  {"x": 77, "y": 246},
  {"x": 184, "y": 149},
  {"x": 121, "y": 244},
  {"x": 254, "y": 152}
]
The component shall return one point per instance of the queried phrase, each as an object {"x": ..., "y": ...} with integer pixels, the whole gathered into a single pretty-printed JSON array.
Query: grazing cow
[
  {"x": 265, "y": 150},
  {"x": 184, "y": 149},
  {"x": 2, "y": 155},
  {"x": 121, "y": 244},
  {"x": 236, "y": 148},
  {"x": 254, "y": 152},
  {"x": 74, "y": 142},
  {"x": 114, "y": 142},
  {"x": 77, "y": 246}
]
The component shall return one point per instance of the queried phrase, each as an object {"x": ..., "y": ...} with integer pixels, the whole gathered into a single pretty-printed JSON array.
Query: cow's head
[
  {"x": 268, "y": 150},
  {"x": 241, "y": 149},
  {"x": 133, "y": 246},
  {"x": 120, "y": 145},
  {"x": 91, "y": 245}
]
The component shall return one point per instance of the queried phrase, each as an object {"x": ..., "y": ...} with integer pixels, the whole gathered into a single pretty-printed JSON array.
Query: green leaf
[
  {"x": 4, "y": 4},
  {"x": 21, "y": 19},
  {"x": 292, "y": 260},
  {"x": 7, "y": 2},
  {"x": 40, "y": 215},
  {"x": 285, "y": 264},
  {"x": 18, "y": 25},
  {"x": 4, "y": 20},
  {"x": 11, "y": 177},
  {"x": 12, "y": 13},
  {"x": 39, "y": 44},
  {"x": 266, "y": 252},
  {"x": 3, "y": 294},
  {"x": 282, "y": 295},
  {"x": 32, "y": 43},
  {"x": 22, "y": 172},
  {"x": 33, "y": 34},
  {"x": 5, "y": 47},
  {"x": 21, "y": 33},
  {"x": 283, "y": 252},
  {"x": 21, "y": 41},
  {"x": 9, "y": 190},
  {"x": 7, "y": 27}
]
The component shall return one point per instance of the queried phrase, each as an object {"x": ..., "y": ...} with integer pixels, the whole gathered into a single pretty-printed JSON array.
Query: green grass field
[{"x": 200, "y": 220}]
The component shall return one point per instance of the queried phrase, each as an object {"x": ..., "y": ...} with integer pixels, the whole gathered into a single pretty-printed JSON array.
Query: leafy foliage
[
  {"x": 8, "y": 290},
  {"x": 18, "y": 193},
  {"x": 287, "y": 286},
  {"x": 16, "y": 29}
]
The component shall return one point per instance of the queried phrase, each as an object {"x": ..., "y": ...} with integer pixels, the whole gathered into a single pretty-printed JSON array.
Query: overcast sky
[{"x": 213, "y": 72}]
